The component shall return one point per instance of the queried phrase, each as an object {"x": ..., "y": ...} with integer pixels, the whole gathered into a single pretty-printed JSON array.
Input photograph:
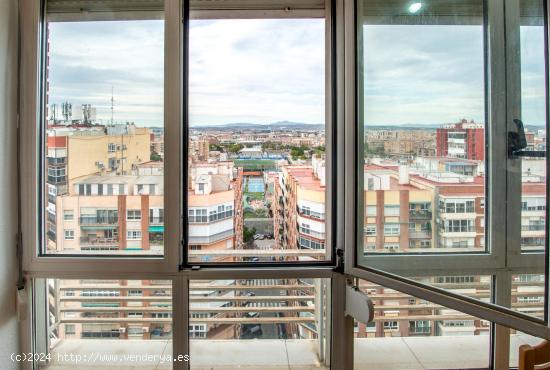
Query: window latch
[{"x": 517, "y": 142}]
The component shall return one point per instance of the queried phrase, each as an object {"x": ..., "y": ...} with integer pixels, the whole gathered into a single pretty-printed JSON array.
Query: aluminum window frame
[
  {"x": 32, "y": 68},
  {"x": 493, "y": 261},
  {"x": 265, "y": 9},
  {"x": 36, "y": 266}
]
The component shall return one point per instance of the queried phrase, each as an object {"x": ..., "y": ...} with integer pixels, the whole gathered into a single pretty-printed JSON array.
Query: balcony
[
  {"x": 420, "y": 214},
  {"x": 432, "y": 352},
  {"x": 95, "y": 241},
  {"x": 54, "y": 180},
  {"x": 539, "y": 227},
  {"x": 207, "y": 239},
  {"x": 95, "y": 220},
  {"x": 310, "y": 214},
  {"x": 422, "y": 234},
  {"x": 156, "y": 220},
  {"x": 311, "y": 233}
]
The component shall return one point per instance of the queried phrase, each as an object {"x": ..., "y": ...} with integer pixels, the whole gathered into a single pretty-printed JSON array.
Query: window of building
[
  {"x": 68, "y": 215},
  {"x": 391, "y": 325},
  {"x": 370, "y": 230},
  {"x": 133, "y": 235},
  {"x": 392, "y": 210},
  {"x": 391, "y": 229},
  {"x": 133, "y": 215},
  {"x": 371, "y": 211},
  {"x": 69, "y": 234}
]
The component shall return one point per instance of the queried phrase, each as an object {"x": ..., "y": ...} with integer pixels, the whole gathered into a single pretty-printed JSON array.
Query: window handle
[{"x": 517, "y": 143}]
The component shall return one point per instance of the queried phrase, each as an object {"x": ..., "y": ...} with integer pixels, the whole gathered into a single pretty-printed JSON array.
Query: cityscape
[{"x": 256, "y": 193}]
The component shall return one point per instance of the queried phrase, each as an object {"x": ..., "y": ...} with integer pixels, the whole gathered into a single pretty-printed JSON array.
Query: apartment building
[
  {"x": 299, "y": 212},
  {"x": 110, "y": 309},
  {"x": 401, "y": 315},
  {"x": 76, "y": 151},
  {"x": 464, "y": 139},
  {"x": 110, "y": 213},
  {"x": 215, "y": 211},
  {"x": 409, "y": 142},
  {"x": 398, "y": 213}
]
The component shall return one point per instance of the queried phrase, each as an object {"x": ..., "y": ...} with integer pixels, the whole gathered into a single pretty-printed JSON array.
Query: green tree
[
  {"x": 155, "y": 156},
  {"x": 235, "y": 148},
  {"x": 216, "y": 147},
  {"x": 248, "y": 234},
  {"x": 296, "y": 152}
]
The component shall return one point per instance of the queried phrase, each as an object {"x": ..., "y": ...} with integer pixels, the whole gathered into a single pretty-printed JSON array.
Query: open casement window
[
  {"x": 450, "y": 100},
  {"x": 260, "y": 135}
]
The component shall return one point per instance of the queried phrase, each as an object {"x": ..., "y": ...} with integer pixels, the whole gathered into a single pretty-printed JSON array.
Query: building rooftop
[{"x": 305, "y": 177}]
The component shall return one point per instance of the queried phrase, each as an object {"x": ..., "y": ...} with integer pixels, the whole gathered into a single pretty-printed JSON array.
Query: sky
[{"x": 263, "y": 71}]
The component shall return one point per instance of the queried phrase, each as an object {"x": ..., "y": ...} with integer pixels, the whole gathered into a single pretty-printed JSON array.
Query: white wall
[{"x": 9, "y": 337}]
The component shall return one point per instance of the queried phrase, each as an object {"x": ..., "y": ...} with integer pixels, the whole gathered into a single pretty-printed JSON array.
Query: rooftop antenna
[{"x": 112, "y": 105}]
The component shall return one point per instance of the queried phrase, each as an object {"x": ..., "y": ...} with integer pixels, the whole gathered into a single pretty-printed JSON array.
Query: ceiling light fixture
[{"x": 415, "y": 7}]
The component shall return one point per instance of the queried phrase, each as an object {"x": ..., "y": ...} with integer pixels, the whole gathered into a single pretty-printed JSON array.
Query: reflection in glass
[
  {"x": 421, "y": 103},
  {"x": 533, "y": 115},
  {"x": 412, "y": 333}
]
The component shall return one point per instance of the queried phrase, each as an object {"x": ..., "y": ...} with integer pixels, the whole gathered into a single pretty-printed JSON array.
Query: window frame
[
  {"x": 37, "y": 267},
  {"x": 334, "y": 116},
  {"x": 342, "y": 96},
  {"x": 496, "y": 189},
  {"x": 32, "y": 74}
]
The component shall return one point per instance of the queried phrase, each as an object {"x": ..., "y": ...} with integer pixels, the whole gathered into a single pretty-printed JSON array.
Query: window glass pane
[
  {"x": 533, "y": 115},
  {"x": 103, "y": 143},
  {"x": 277, "y": 323},
  {"x": 518, "y": 339},
  {"x": 412, "y": 333},
  {"x": 528, "y": 294},
  {"x": 94, "y": 324},
  {"x": 257, "y": 170},
  {"x": 421, "y": 106}
]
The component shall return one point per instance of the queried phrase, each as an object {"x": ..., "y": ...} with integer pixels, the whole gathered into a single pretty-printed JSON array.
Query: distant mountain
[
  {"x": 268, "y": 126},
  {"x": 403, "y": 126}
]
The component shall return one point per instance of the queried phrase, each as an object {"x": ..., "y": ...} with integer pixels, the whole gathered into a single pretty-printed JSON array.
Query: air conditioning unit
[
  {"x": 122, "y": 330},
  {"x": 145, "y": 329}
]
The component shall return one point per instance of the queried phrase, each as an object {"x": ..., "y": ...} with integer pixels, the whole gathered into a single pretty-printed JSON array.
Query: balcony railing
[
  {"x": 94, "y": 220},
  {"x": 311, "y": 233},
  {"x": 420, "y": 214},
  {"x": 207, "y": 239},
  {"x": 156, "y": 220},
  {"x": 424, "y": 234},
  {"x": 532, "y": 227},
  {"x": 57, "y": 179},
  {"x": 89, "y": 240},
  {"x": 310, "y": 214}
]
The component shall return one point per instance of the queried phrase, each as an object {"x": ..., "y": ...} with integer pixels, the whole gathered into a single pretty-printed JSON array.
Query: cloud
[
  {"x": 435, "y": 74},
  {"x": 423, "y": 74},
  {"x": 267, "y": 70},
  {"x": 88, "y": 59},
  {"x": 257, "y": 71}
]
